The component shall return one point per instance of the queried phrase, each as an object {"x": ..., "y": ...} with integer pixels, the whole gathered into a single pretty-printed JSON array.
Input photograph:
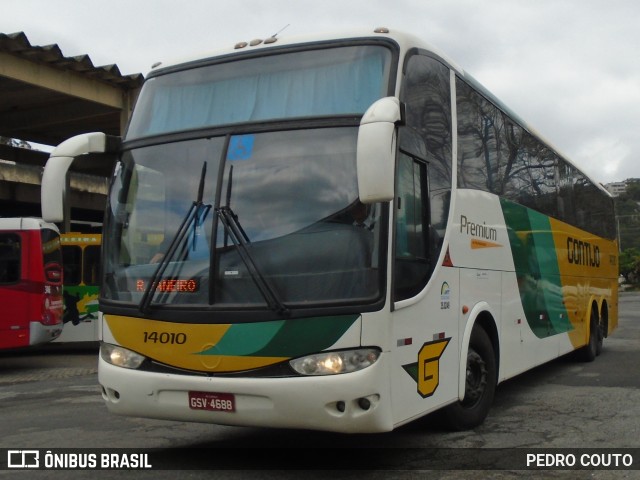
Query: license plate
[{"x": 213, "y": 402}]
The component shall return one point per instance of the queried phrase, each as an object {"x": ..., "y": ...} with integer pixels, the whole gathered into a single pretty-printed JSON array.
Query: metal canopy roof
[{"x": 46, "y": 97}]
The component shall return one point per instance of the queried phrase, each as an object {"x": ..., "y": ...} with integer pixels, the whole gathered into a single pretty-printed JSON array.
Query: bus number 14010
[{"x": 165, "y": 337}]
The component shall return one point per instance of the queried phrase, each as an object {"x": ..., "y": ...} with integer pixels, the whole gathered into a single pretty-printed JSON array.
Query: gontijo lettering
[{"x": 582, "y": 253}]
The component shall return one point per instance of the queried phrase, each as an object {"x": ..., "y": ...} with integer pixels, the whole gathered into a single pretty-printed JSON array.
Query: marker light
[
  {"x": 120, "y": 357},
  {"x": 331, "y": 363}
]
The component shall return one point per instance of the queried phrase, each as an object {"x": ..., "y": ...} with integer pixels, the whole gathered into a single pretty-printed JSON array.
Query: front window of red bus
[{"x": 237, "y": 189}]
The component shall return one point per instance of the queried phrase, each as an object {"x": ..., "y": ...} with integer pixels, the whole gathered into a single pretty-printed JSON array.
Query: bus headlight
[
  {"x": 120, "y": 357},
  {"x": 331, "y": 363}
]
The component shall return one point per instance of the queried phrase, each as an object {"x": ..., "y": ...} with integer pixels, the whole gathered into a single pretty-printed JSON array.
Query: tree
[
  {"x": 633, "y": 189},
  {"x": 629, "y": 262},
  {"x": 628, "y": 215}
]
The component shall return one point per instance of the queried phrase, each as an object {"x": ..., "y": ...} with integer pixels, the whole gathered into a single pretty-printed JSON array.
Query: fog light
[{"x": 364, "y": 403}]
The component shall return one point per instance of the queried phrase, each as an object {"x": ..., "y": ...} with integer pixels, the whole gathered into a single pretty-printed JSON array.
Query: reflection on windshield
[
  {"x": 291, "y": 199},
  {"x": 182, "y": 244}
]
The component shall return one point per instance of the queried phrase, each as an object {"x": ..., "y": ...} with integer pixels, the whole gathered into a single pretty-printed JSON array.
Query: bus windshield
[
  {"x": 249, "y": 219},
  {"x": 285, "y": 214},
  {"x": 327, "y": 82}
]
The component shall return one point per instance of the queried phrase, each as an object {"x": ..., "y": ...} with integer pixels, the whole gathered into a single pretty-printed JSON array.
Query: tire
[
  {"x": 480, "y": 385},
  {"x": 600, "y": 338},
  {"x": 592, "y": 349}
]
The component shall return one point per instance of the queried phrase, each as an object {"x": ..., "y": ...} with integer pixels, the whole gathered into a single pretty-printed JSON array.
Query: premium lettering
[{"x": 477, "y": 230}]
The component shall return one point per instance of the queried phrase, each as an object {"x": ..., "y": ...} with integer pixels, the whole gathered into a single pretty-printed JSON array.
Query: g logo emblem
[{"x": 429, "y": 366}]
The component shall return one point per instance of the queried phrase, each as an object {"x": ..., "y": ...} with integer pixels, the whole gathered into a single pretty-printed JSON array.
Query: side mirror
[
  {"x": 377, "y": 150},
  {"x": 53, "y": 191}
]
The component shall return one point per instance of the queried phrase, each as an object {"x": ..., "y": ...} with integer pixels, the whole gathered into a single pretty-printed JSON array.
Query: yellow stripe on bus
[
  {"x": 181, "y": 345},
  {"x": 588, "y": 271}
]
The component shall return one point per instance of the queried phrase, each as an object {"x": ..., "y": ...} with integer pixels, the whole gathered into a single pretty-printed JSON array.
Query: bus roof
[
  {"x": 251, "y": 46},
  {"x": 405, "y": 42}
]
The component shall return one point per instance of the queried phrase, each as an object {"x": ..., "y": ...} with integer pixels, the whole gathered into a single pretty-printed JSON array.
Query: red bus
[{"x": 30, "y": 282}]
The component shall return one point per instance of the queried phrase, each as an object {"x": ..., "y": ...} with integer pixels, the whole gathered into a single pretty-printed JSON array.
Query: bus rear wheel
[
  {"x": 480, "y": 385},
  {"x": 593, "y": 348}
]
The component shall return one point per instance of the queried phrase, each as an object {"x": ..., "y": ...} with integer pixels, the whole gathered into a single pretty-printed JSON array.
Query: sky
[{"x": 570, "y": 68}]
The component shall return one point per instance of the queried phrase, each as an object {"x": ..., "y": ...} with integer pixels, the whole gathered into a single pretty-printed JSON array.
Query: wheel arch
[{"x": 482, "y": 316}]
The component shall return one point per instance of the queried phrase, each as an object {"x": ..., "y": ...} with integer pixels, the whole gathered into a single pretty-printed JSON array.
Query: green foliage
[
  {"x": 629, "y": 262},
  {"x": 628, "y": 224},
  {"x": 628, "y": 215},
  {"x": 633, "y": 189}
]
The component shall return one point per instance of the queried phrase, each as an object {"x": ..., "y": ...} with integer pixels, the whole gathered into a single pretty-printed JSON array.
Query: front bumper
[{"x": 331, "y": 403}]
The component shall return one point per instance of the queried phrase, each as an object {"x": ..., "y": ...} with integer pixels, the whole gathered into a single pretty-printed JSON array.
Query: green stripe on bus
[
  {"x": 537, "y": 269},
  {"x": 282, "y": 338}
]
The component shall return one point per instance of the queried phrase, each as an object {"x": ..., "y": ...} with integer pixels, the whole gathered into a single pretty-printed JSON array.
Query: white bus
[{"x": 338, "y": 233}]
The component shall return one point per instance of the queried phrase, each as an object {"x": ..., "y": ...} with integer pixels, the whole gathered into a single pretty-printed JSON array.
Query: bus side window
[
  {"x": 412, "y": 263},
  {"x": 72, "y": 264},
  {"x": 9, "y": 258},
  {"x": 91, "y": 265},
  {"x": 426, "y": 93}
]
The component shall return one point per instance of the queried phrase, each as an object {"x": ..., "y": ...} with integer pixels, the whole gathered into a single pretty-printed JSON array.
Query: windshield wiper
[
  {"x": 194, "y": 216},
  {"x": 233, "y": 230},
  {"x": 239, "y": 238},
  {"x": 236, "y": 222}
]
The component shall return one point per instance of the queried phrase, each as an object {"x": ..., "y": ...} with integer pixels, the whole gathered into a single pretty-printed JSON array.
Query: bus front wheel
[{"x": 480, "y": 384}]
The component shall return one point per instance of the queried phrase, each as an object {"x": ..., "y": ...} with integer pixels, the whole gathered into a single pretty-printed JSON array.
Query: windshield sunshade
[{"x": 335, "y": 81}]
